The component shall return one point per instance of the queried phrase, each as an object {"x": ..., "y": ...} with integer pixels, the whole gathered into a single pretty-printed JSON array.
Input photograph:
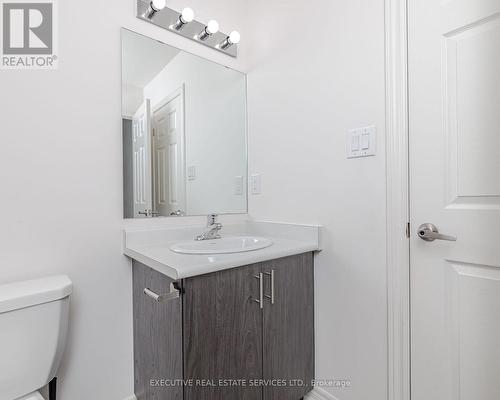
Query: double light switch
[{"x": 361, "y": 142}]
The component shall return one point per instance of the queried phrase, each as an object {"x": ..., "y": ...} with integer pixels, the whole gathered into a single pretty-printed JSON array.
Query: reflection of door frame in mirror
[
  {"x": 141, "y": 147},
  {"x": 181, "y": 202}
]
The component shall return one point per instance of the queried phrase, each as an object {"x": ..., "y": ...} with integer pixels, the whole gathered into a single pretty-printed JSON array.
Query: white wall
[
  {"x": 132, "y": 99},
  {"x": 215, "y": 129},
  {"x": 61, "y": 183},
  {"x": 309, "y": 82}
]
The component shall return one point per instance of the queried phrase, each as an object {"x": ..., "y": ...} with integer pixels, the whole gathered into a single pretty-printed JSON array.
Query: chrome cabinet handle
[
  {"x": 429, "y": 233},
  {"x": 260, "y": 277},
  {"x": 174, "y": 294},
  {"x": 271, "y": 297}
]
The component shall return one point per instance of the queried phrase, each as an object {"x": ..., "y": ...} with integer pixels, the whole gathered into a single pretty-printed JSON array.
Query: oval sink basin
[{"x": 225, "y": 245}]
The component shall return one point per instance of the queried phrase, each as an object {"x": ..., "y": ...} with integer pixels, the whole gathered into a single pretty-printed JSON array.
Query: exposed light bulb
[
  {"x": 209, "y": 30},
  {"x": 233, "y": 38},
  {"x": 154, "y": 7},
  {"x": 212, "y": 27},
  {"x": 158, "y": 5},
  {"x": 186, "y": 17}
]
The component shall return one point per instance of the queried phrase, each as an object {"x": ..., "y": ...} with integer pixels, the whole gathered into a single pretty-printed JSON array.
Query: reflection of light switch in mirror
[
  {"x": 256, "y": 183},
  {"x": 238, "y": 186},
  {"x": 361, "y": 142},
  {"x": 365, "y": 141},
  {"x": 191, "y": 173}
]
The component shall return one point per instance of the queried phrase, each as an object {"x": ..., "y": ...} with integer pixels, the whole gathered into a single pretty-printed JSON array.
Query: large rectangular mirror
[{"x": 184, "y": 132}]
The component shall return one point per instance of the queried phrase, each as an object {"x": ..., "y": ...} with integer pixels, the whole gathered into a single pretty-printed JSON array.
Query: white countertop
[{"x": 152, "y": 247}]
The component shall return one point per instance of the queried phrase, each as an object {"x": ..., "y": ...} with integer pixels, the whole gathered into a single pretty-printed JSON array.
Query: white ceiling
[{"x": 143, "y": 58}]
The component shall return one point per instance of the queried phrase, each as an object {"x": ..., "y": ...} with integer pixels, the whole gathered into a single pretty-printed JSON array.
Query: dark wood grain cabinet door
[
  {"x": 223, "y": 335},
  {"x": 157, "y": 338},
  {"x": 288, "y": 334}
]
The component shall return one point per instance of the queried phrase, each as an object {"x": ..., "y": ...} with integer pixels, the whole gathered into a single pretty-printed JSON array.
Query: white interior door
[
  {"x": 141, "y": 130},
  {"x": 454, "y": 75},
  {"x": 169, "y": 169}
]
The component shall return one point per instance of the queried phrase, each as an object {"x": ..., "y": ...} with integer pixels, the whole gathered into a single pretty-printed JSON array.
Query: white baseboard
[
  {"x": 131, "y": 397},
  {"x": 319, "y": 394}
]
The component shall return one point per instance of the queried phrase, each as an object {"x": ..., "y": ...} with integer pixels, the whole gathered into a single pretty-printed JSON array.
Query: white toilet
[{"x": 33, "y": 327}]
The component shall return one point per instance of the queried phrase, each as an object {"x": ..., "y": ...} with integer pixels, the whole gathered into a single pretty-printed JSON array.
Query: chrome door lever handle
[
  {"x": 429, "y": 233},
  {"x": 178, "y": 213},
  {"x": 149, "y": 213}
]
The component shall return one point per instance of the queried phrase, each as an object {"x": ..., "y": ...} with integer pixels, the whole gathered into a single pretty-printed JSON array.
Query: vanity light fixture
[
  {"x": 185, "y": 18},
  {"x": 154, "y": 7},
  {"x": 158, "y": 12},
  {"x": 233, "y": 38},
  {"x": 211, "y": 29}
]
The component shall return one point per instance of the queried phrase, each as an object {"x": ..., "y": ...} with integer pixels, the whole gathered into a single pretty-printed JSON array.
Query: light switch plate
[
  {"x": 256, "y": 184},
  {"x": 361, "y": 142},
  {"x": 191, "y": 173},
  {"x": 238, "y": 186}
]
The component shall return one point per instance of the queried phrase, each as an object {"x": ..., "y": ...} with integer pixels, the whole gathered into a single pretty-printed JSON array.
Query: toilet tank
[{"x": 33, "y": 328}]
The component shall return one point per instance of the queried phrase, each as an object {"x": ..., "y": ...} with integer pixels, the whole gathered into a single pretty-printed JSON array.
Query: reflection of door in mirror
[
  {"x": 141, "y": 147},
  {"x": 169, "y": 192}
]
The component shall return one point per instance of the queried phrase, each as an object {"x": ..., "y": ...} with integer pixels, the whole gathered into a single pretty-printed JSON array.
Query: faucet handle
[{"x": 211, "y": 219}]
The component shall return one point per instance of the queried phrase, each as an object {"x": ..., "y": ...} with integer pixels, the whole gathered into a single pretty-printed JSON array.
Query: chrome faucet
[{"x": 214, "y": 228}]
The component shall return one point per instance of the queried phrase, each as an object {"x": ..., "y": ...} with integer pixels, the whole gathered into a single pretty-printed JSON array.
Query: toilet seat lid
[{"x": 14, "y": 296}]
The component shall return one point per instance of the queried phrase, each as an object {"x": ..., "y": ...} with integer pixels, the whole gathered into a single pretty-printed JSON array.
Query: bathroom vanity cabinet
[{"x": 245, "y": 333}]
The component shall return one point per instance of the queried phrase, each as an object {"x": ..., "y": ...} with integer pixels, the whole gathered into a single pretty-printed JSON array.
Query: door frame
[{"x": 398, "y": 210}]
